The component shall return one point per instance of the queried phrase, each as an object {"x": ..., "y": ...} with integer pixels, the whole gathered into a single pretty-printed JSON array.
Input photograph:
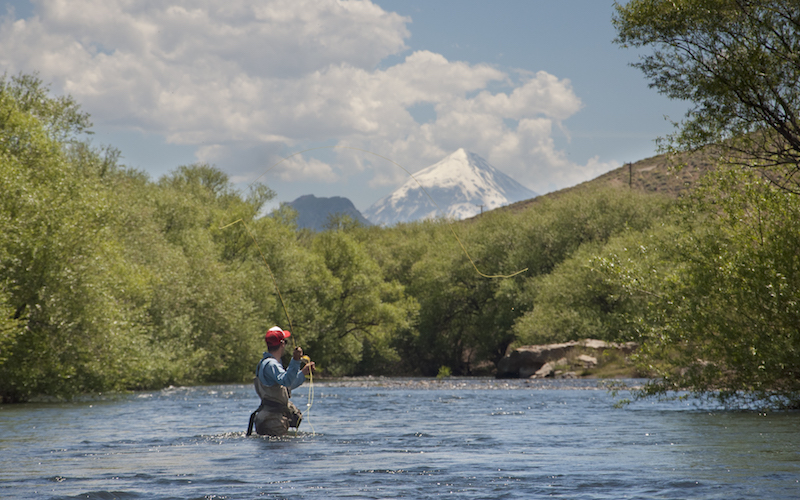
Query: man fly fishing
[{"x": 274, "y": 386}]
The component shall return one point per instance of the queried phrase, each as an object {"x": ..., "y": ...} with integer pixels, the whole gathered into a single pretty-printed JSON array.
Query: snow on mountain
[{"x": 463, "y": 184}]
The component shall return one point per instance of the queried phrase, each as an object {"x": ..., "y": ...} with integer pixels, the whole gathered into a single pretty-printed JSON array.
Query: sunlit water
[{"x": 398, "y": 439}]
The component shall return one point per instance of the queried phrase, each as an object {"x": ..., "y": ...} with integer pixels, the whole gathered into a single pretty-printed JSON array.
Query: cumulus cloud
[
  {"x": 244, "y": 81},
  {"x": 305, "y": 168}
]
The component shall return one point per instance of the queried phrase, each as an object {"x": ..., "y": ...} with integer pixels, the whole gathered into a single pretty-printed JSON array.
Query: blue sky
[{"x": 536, "y": 87}]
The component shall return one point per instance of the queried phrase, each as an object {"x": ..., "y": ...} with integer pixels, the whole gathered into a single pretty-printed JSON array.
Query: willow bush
[
  {"x": 110, "y": 281},
  {"x": 727, "y": 320}
]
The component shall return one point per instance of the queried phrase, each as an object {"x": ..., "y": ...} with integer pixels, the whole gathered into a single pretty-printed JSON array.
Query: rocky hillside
[{"x": 658, "y": 174}]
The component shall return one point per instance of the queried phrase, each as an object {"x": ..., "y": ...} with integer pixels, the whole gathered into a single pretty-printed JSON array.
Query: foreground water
[{"x": 398, "y": 439}]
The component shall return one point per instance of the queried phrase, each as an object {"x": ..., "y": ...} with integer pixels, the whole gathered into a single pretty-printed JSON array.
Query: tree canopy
[
  {"x": 723, "y": 319},
  {"x": 738, "y": 63}
]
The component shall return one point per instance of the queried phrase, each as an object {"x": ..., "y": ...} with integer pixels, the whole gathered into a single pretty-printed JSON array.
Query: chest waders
[{"x": 276, "y": 413}]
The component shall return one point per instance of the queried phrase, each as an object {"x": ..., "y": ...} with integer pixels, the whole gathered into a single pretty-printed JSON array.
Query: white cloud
[
  {"x": 246, "y": 80},
  {"x": 513, "y": 130},
  {"x": 300, "y": 168}
]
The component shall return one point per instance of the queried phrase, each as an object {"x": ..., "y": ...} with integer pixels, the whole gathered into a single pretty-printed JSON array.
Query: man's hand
[
  {"x": 308, "y": 368},
  {"x": 298, "y": 353}
]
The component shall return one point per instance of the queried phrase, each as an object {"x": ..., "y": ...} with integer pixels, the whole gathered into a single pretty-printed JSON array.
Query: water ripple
[{"x": 394, "y": 438}]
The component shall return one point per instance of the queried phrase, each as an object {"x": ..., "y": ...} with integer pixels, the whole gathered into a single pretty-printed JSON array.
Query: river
[{"x": 398, "y": 438}]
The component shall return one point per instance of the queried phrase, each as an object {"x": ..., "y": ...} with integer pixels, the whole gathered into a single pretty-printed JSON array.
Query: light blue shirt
[{"x": 270, "y": 372}]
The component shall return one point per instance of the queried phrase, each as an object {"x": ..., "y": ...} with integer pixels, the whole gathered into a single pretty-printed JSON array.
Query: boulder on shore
[{"x": 539, "y": 361}]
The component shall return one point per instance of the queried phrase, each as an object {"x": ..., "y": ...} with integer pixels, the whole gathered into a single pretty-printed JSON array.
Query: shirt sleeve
[
  {"x": 300, "y": 378},
  {"x": 272, "y": 373}
]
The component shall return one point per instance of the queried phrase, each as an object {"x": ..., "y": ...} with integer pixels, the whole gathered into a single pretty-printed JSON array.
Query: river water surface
[{"x": 398, "y": 438}]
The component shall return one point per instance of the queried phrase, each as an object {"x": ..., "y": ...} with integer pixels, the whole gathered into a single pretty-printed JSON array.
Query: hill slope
[{"x": 657, "y": 174}]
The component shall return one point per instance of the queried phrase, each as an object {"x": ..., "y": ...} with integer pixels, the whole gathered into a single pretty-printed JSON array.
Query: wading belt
[{"x": 265, "y": 403}]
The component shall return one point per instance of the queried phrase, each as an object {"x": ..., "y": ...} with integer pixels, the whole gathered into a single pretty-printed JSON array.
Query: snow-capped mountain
[{"x": 463, "y": 184}]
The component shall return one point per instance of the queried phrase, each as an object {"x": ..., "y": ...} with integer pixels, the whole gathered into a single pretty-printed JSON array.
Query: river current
[{"x": 398, "y": 438}]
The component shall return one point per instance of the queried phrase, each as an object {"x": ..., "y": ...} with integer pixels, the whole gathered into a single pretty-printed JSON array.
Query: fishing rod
[
  {"x": 307, "y": 359},
  {"x": 449, "y": 223},
  {"x": 274, "y": 281}
]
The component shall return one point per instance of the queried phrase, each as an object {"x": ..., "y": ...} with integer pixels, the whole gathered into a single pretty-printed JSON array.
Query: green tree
[
  {"x": 466, "y": 320},
  {"x": 563, "y": 298},
  {"x": 727, "y": 323},
  {"x": 60, "y": 116},
  {"x": 358, "y": 310},
  {"x": 414, "y": 256},
  {"x": 724, "y": 320},
  {"x": 450, "y": 293},
  {"x": 57, "y": 264},
  {"x": 205, "y": 305},
  {"x": 576, "y": 301},
  {"x": 738, "y": 62},
  {"x": 109, "y": 281}
]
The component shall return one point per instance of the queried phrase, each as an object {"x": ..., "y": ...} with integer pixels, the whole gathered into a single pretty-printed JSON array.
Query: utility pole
[{"x": 630, "y": 175}]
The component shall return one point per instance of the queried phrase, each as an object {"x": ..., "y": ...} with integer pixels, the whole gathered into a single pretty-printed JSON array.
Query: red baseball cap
[{"x": 276, "y": 335}]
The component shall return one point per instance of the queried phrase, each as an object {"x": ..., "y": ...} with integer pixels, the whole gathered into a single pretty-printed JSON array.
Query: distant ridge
[
  {"x": 657, "y": 174},
  {"x": 314, "y": 213},
  {"x": 463, "y": 185}
]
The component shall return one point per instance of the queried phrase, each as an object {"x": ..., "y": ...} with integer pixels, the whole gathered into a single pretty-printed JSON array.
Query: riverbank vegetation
[
  {"x": 110, "y": 280},
  {"x": 724, "y": 320}
]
